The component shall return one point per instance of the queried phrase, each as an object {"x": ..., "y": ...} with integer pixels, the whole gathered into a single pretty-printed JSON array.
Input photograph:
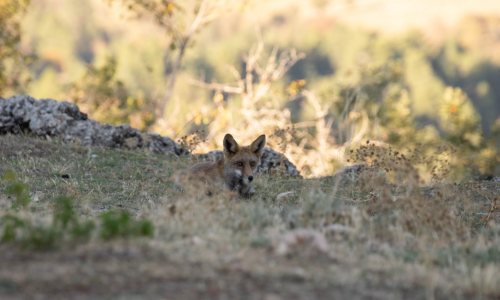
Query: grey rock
[
  {"x": 349, "y": 174},
  {"x": 284, "y": 197},
  {"x": 64, "y": 121}
]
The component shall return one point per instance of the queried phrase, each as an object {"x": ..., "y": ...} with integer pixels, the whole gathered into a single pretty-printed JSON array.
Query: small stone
[
  {"x": 338, "y": 228},
  {"x": 284, "y": 197},
  {"x": 197, "y": 241},
  {"x": 301, "y": 241}
]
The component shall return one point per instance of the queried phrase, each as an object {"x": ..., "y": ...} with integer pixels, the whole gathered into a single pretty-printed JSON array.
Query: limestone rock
[
  {"x": 64, "y": 121},
  {"x": 349, "y": 174},
  {"x": 284, "y": 197}
]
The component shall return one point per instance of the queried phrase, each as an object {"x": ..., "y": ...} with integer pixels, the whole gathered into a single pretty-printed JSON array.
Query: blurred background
[{"x": 319, "y": 77}]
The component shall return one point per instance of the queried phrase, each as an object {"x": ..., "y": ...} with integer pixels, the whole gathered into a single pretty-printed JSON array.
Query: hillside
[
  {"x": 325, "y": 241},
  {"x": 379, "y": 179}
]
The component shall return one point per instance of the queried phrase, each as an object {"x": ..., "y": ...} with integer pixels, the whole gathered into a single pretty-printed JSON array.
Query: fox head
[{"x": 240, "y": 163}]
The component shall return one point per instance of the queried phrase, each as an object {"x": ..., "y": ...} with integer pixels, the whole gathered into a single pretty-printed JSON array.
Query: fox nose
[{"x": 250, "y": 178}]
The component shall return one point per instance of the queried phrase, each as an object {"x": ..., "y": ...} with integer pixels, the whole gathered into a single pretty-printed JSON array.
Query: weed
[
  {"x": 192, "y": 141},
  {"x": 11, "y": 225},
  {"x": 64, "y": 212},
  {"x": 18, "y": 190},
  {"x": 66, "y": 226},
  {"x": 119, "y": 224}
]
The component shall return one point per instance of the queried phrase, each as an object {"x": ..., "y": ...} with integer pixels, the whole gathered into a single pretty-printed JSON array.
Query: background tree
[
  {"x": 181, "y": 20},
  {"x": 108, "y": 100},
  {"x": 11, "y": 59}
]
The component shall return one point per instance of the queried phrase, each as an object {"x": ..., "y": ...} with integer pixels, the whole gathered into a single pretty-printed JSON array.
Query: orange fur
[{"x": 235, "y": 171}]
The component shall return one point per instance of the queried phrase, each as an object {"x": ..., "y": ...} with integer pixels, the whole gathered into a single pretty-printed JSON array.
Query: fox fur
[{"x": 234, "y": 171}]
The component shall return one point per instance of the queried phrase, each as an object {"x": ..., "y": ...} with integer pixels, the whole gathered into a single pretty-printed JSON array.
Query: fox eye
[
  {"x": 252, "y": 164},
  {"x": 239, "y": 164}
]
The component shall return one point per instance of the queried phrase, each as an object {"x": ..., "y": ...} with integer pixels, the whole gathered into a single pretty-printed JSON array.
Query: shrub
[
  {"x": 118, "y": 223},
  {"x": 18, "y": 190},
  {"x": 66, "y": 226}
]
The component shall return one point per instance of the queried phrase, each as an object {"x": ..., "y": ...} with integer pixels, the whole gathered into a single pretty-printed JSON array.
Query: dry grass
[{"x": 370, "y": 236}]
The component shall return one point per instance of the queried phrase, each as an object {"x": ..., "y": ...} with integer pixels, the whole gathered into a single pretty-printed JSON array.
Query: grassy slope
[{"x": 221, "y": 248}]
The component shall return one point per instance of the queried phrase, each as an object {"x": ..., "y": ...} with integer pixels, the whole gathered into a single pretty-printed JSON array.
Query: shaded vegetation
[
  {"x": 66, "y": 227},
  {"x": 13, "y": 62},
  {"x": 380, "y": 224}
]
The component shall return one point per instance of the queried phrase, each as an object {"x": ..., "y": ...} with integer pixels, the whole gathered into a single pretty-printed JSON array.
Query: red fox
[{"x": 235, "y": 170}]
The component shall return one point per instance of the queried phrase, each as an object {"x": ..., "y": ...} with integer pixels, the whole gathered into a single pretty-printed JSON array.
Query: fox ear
[
  {"x": 258, "y": 145},
  {"x": 230, "y": 145}
]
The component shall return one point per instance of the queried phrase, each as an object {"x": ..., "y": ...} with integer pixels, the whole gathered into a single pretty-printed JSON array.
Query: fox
[{"x": 234, "y": 171}]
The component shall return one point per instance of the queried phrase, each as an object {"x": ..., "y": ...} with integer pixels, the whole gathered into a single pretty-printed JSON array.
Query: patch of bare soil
[{"x": 121, "y": 271}]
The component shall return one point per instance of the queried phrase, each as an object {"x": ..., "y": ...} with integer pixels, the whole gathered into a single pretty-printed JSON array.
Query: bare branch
[
  {"x": 286, "y": 63},
  {"x": 217, "y": 87},
  {"x": 250, "y": 91},
  {"x": 234, "y": 72}
]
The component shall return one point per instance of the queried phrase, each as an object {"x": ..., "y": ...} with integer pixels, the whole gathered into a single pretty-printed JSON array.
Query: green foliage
[
  {"x": 119, "y": 224},
  {"x": 181, "y": 21},
  {"x": 459, "y": 121},
  {"x": 12, "y": 60},
  {"x": 64, "y": 212},
  {"x": 66, "y": 225},
  {"x": 18, "y": 190},
  {"x": 107, "y": 99},
  {"x": 66, "y": 219},
  {"x": 163, "y": 12},
  {"x": 384, "y": 96},
  {"x": 11, "y": 225}
]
